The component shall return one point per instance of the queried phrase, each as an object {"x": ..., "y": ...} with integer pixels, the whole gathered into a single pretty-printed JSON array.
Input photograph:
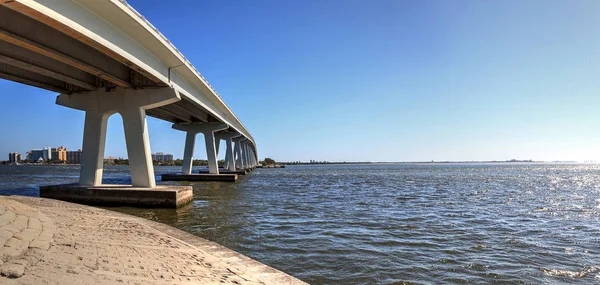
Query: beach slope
[{"x": 44, "y": 241}]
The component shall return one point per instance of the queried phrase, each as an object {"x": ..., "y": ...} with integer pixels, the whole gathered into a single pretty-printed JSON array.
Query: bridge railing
[
  {"x": 124, "y": 2},
  {"x": 170, "y": 43}
]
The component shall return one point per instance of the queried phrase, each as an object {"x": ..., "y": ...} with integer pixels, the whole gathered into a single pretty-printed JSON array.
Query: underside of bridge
[
  {"x": 38, "y": 51},
  {"x": 100, "y": 73}
]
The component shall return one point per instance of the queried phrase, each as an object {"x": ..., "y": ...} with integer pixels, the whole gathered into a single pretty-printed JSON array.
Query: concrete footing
[
  {"x": 200, "y": 177},
  {"x": 238, "y": 172},
  {"x": 120, "y": 195}
]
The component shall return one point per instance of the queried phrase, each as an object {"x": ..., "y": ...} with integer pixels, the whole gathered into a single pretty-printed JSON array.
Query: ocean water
[{"x": 508, "y": 223}]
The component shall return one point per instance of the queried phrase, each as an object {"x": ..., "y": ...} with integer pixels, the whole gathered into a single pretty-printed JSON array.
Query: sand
[{"x": 45, "y": 241}]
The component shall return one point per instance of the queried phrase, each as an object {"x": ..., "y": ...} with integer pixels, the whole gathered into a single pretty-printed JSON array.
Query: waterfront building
[
  {"x": 74, "y": 156},
  {"x": 14, "y": 157},
  {"x": 59, "y": 153},
  {"x": 159, "y": 156},
  {"x": 41, "y": 154}
]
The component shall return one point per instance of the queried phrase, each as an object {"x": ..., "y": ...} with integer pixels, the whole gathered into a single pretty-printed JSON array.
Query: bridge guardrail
[{"x": 124, "y": 2}]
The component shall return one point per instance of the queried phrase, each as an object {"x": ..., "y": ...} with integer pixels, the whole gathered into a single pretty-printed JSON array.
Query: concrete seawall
[{"x": 44, "y": 241}]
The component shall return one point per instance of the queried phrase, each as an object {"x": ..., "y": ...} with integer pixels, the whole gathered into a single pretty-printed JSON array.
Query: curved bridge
[{"x": 103, "y": 57}]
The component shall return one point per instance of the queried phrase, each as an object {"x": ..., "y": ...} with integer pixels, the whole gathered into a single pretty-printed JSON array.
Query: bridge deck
[{"x": 76, "y": 46}]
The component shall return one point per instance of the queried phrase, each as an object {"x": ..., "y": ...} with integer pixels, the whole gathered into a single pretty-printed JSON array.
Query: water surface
[{"x": 506, "y": 223}]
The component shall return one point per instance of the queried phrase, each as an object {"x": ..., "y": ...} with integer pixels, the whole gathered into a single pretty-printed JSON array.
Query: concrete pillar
[
  {"x": 188, "y": 153},
  {"x": 217, "y": 143},
  {"x": 239, "y": 160},
  {"x": 229, "y": 161},
  {"x": 131, "y": 104},
  {"x": 227, "y": 156},
  {"x": 211, "y": 152},
  {"x": 241, "y": 156},
  {"x": 138, "y": 147},
  {"x": 208, "y": 130},
  {"x": 94, "y": 139},
  {"x": 249, "y": 153},
  {"x": 246, "y": 155},
  {"x": 218, "y": 139},
  {"x": 252, "y": 157},
  {"x": 229, "y": 153}
]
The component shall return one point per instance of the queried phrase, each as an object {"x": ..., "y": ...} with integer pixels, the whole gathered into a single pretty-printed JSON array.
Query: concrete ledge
[
  {"x": 238, "y": 172},
  {"x": 120, "y": 195},
  {"x": 200, "y": 177}
]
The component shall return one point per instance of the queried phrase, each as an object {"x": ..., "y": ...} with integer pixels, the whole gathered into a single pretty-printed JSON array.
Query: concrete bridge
[{"x": 103, "y": 57}]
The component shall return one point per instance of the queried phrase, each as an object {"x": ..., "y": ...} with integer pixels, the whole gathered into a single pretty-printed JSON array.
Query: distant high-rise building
[
  {"x": 159, "y": 156},
  {"x": 42, "y": 154},
  {"x": 59, "y": 153},
  {"x": 73, "y": 156},
  {"x": 14, "y": 157}
]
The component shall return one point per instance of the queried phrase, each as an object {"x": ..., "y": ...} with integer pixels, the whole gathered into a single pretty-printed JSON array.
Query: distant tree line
[
  {"x": 323, "y": 162},
  {"x": 267, "y": 161},
  {"x": 176, "y": 162}
]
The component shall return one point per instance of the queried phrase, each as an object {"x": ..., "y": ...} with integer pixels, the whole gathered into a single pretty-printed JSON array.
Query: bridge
[{"x": 103, "y": 57}]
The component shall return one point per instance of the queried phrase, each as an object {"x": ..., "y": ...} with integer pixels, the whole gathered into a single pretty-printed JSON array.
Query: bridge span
[{"x": 103, "y": 57}]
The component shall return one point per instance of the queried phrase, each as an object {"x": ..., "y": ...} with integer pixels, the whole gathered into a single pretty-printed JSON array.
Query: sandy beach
[{"x": 44, "y": 241}]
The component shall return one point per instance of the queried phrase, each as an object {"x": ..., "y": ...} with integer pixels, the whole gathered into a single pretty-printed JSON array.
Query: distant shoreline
[
  {"x": 436, "y": 162},
  {"x": 358, "y": 163}
]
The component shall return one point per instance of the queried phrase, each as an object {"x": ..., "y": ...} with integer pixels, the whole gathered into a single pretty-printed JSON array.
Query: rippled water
[{"x": 391, "y": 223}]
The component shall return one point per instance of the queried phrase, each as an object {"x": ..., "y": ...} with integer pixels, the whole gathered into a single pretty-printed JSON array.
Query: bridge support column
[
  {"x": 247, "y": 155},
  {"x": 208, "y": 130},
  {"x": 218, "y": 138},
  {"x": 138, "y": 147},
  {"x": 244, "y": 153},
  {"x": 252, "y": 157},
  {"x": 188, "y": 153},
  {"x": 239, "y": 160},
  {"x": 229, "y": 161},
  {"x": 229, "y": 153},
  {"x": 131, "y": 104},
  {"x": 244, "y": 157},
  {"x": 94, "y": 140}
]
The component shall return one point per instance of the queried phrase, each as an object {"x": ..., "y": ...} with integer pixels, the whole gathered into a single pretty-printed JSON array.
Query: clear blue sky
[{"x": 353, "y": 80}]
